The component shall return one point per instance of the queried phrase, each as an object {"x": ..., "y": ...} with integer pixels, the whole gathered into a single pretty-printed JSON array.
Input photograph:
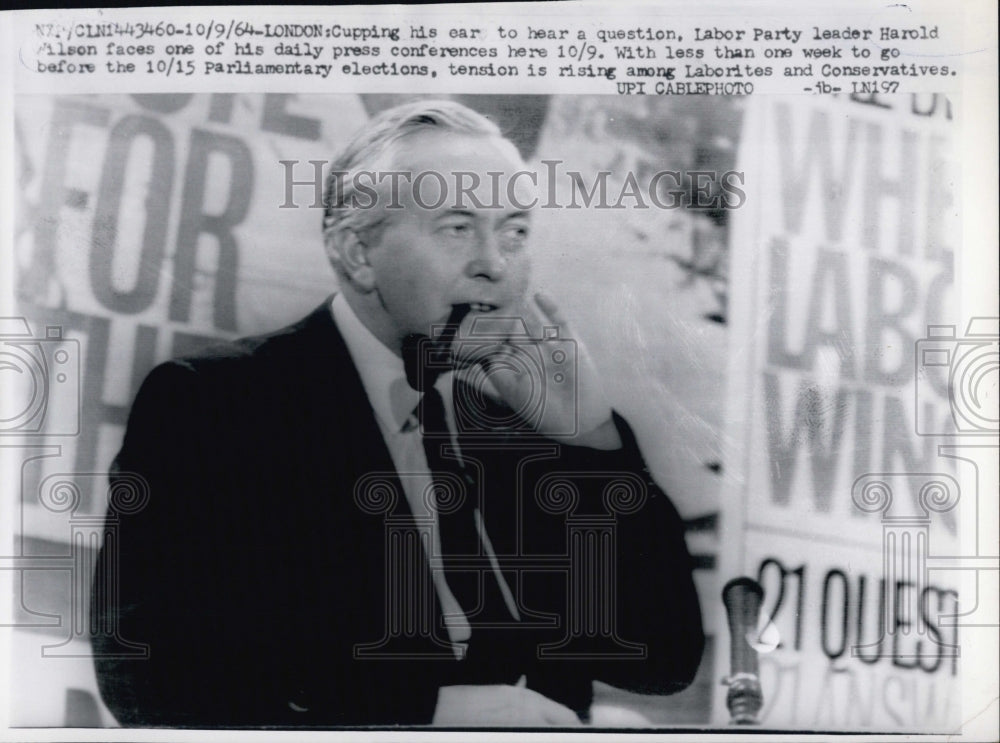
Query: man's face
[{"x": 428, "y": 260}]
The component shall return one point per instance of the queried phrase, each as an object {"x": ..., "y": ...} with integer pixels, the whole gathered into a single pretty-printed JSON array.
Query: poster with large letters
[
  {"x": 840, "y": 489},
  {"x": 147, "y": 227}
]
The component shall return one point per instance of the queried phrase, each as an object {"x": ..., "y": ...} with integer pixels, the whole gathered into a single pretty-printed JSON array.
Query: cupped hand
[{"x": 547, "y": 375}]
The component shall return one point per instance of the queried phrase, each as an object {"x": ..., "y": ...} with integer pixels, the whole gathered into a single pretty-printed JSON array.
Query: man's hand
[
  {"x": 500, "y": 706},
  {"x": 567, "y": 384}
]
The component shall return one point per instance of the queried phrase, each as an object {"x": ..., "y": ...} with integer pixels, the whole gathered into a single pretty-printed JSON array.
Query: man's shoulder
[
  {"x": 312, "y": 337},
  {"x": 270, "y": 369},
  {"x": 252, "y": 381}
]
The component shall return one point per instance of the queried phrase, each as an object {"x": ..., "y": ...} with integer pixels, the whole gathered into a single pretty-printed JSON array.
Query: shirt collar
[{"x": 381, "y": 371}]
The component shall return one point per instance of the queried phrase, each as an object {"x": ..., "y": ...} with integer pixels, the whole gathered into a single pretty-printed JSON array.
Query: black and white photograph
[{"x": 384, "y": 401}]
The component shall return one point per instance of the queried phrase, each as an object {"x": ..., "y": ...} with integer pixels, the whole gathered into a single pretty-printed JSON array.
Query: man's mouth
[
  {"x": 459, "y": 312},
  {"x": 482, "y": 307}
]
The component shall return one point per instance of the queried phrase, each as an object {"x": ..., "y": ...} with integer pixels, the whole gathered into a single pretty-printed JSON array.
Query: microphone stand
[{"x": 742, "y": 598}]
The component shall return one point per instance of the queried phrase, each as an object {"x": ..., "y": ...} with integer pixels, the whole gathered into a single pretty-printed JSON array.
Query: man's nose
[{"x": 488, "y": 260}]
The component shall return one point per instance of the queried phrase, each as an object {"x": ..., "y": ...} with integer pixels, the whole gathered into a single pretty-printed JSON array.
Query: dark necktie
[
  {"x": 455, "y": 496},
  {"x": 467, "y": 568}
]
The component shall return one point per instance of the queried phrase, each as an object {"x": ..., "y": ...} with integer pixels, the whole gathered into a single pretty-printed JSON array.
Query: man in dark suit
[{"x": 385, "y": 514}]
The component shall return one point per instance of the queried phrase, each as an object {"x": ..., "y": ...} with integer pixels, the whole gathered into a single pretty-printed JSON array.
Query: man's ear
[{"x": 346, "y": 250}]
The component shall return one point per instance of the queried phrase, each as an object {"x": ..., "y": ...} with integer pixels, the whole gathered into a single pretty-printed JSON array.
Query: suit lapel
[
  {"x": 342, "y": 413},
  {"x": 357, "y": 468}
]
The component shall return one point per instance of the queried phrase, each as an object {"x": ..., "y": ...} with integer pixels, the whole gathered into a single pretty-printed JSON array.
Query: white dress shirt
[{"x": 394, "y": 402}]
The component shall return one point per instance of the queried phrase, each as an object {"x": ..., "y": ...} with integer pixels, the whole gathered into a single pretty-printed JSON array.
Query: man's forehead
[
  {"x": 444, "y": 172},
  {"x": 450, "y": 151}
]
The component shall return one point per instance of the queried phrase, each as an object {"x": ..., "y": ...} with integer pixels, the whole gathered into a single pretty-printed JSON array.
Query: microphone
[{"x": 742, "y": 598}]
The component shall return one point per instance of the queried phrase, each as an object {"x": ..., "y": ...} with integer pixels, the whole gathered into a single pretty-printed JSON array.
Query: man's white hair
[{"x": 373, "y": 149}]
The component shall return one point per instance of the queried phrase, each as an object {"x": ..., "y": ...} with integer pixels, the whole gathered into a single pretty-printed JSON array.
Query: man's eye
[
  {"x": 458, "y": 230},
  {"x": 515, "y": 233}
]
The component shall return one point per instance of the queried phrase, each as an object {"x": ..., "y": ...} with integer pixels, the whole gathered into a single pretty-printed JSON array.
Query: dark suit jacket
[{"x": 254, "y": 575}]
